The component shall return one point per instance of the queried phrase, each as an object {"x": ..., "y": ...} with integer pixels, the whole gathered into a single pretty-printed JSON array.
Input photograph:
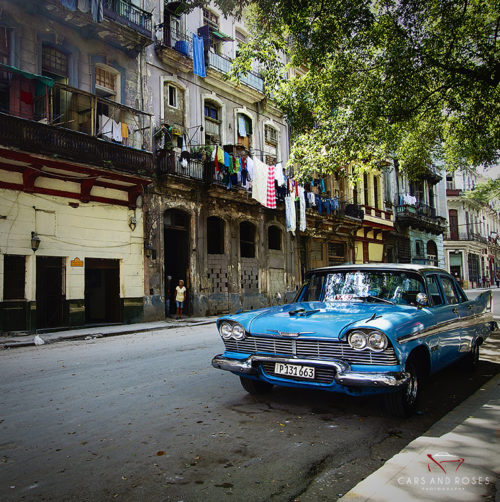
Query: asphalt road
[{"x": 146, "y": 417}]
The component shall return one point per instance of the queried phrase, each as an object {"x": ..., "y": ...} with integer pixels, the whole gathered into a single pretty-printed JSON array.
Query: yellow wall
[
  {"x": 376, "y": 252},
  {"x": 91, "y": 230}
]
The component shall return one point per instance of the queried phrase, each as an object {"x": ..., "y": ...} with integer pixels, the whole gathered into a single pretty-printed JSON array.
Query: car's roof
[{"x": 381, "y": 266}]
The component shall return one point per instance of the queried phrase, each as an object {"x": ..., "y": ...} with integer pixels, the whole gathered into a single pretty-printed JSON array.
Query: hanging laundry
[
  {"x": 249, "y": 163},
  {"x": 260, "y": 178},
  {"x": 117, "y": 131},
  {"x": 291, "y": 217},
  {"x": 97, "y": 10},
  {"x": 279, "y": 174},
  {"x": 220, "y": 155},
  {"x": 242, "y": 127},
  {"x": 83, "y": 5},
  {"x": 323, "y": 189},
  {"x": 69, "y": 4},
  {"x": 302, "y": 213},
  {"x": 105, "y": 126},
  {"x": 26, "y": 97},
  {"x": 198, "y": 56},
  {"x": 271, "y": 190},
  {"x": 226, "y": 159}
]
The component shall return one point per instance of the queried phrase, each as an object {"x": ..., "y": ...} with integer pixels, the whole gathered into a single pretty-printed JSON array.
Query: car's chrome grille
[
  {"x": 321, "y": 349},
  {"x": 321, "y": 375}
]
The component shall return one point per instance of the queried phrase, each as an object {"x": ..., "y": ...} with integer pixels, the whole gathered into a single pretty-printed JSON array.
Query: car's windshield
[{"x": 355, "y": 285}]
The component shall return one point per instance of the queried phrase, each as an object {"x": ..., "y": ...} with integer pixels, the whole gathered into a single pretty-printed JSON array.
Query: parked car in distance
[{"x": 359, "y": 329}]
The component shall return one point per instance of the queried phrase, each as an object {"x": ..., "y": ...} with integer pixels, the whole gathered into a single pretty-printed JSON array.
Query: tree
[
  {"x": 487, "y": 192},
  {"x": 412, "y": 80}
]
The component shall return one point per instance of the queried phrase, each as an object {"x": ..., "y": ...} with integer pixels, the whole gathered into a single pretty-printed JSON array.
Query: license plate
[{"x": 294, "y": 370}]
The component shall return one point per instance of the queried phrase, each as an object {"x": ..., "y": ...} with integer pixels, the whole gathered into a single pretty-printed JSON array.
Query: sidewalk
[
  {"x": 25, "y": 340},
  {"x": 457, "y": 459}
]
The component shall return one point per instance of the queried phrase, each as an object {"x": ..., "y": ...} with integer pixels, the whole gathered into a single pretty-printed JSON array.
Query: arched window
[
  {"x": 213, "y": 121},
  {"x": 247, "y": 240},
  {"x": 244, "y": 130},
  {"x": 432, "y": 253},
  {"x": 215, "y": 235},
  {"x": 274, "y": 238}
]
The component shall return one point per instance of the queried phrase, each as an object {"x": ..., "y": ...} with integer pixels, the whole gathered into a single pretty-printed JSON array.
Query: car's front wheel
[
  {"x": 403, "y": 402},
  {"x": 255, "y": 386}
]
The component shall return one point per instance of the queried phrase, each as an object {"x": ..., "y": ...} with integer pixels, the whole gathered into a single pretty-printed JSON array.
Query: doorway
[
  {"x": 50, "y": 291},
  {"x": 102, "y": 291},
  {"x": 177, "y": 253}
]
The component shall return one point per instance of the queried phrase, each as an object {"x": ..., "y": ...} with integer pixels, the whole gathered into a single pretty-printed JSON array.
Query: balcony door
[{"x": 453, "y": 215}]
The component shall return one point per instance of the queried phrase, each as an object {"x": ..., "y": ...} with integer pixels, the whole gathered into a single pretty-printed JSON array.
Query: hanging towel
[
  {"x": 105, "y": 126},
  {"x": 271, "y": 188},
  {"x": 69, "y": 4},
  {"x": 117, "y": 131},
  {"x": 278, "y": 174},
  {"x": 302, "y": 206},
  {"x": 198, "y": 56},
  {"x": 291, "y": 218},
  {"x": 97, "y": 11},
  {"x": 242, "y": 128},
  {"x": 249, "y": 162},
  {"x": 259, "y": 185},
  {"x": 226, "y": 159}
]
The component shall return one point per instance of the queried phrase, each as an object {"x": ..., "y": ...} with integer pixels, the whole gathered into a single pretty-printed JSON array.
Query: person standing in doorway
[{"x": 180, "y": 295}]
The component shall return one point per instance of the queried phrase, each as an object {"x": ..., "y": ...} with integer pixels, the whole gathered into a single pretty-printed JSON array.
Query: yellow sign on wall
[{"x": 77, "y": 262}]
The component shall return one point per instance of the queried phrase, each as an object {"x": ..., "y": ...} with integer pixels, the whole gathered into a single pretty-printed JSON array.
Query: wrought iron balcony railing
[
  {"x": 53, "y": 118},
  {"x": 129, "y": 14},
  {"x": 223, "y": 65},
  {"x": 465, "y": 236}
]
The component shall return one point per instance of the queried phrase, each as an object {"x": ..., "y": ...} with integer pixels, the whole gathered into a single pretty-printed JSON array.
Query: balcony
[
  {"x": 43, "y": 117},
  {"x": 420, "y": 216},
  {"x": 127, "y": 14},
  {"x": 223, "y": 65},
  {"x": 465, "y": 236},
  {"x": 176, "y": 49}
]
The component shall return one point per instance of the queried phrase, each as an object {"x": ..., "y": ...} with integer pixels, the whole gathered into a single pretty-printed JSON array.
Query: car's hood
[{"x": 317, "y": 319}]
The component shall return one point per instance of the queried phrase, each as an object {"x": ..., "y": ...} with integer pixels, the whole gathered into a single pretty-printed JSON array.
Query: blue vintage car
[{"x": 359, "y": 329}]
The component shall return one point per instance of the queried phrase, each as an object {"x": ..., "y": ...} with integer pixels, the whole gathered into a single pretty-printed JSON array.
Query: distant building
[
  {"x": 471, "y": 243},
  {"x": 420, "y": 217}
]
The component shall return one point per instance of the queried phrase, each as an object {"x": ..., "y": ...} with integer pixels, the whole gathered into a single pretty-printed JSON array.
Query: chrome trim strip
[
  {"x": 289, "y": 334},
  {"x": 468, "y": 321},
  {"x": 343, "y": 373}
]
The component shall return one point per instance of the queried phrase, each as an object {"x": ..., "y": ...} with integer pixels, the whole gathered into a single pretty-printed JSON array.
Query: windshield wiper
[{"x": 377, "y": 299}]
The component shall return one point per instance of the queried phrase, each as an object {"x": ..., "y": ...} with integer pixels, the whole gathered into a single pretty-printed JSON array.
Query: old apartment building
[
  {"x": 75, "y": 158},
  {"x": 128, "y": 161}
]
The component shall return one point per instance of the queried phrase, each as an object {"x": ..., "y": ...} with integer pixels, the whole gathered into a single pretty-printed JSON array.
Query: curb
[{"x": 29, "y": 340}]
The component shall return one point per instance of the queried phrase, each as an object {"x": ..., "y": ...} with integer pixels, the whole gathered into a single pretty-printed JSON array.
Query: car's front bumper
[{"x": 344, "y": 375}]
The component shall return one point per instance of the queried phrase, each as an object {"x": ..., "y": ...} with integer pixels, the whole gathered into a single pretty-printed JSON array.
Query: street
[{"x": 146, "y": 417}]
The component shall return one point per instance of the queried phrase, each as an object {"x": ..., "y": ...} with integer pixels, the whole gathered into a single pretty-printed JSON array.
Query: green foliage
[
  {"x": 485, "y": 193},
  {"x": 416, "y": 80}
]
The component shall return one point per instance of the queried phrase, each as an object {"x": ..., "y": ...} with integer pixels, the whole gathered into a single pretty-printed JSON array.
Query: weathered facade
[
  {"x": 420, "y": 217},
  {"x": 75, "y": 157},
  {"x": 471, "y": 245}
]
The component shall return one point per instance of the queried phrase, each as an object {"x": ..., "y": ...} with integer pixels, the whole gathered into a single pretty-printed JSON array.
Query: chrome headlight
[
  {"x": 357, "y": 340},
  {"x": 233, "y": 330},
  {"x": 377, "y": 341},
  {"x": 226, "y": 330},
  {"x": 238, "y": 332}
]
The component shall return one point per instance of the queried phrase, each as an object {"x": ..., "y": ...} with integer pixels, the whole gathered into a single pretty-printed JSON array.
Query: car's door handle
[
  {"x": 454, "y": 310},
  {"x": 470, "y": 307}
]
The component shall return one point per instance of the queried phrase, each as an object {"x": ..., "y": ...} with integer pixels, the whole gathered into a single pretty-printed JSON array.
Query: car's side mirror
[{"x": 422, "y": 300}]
